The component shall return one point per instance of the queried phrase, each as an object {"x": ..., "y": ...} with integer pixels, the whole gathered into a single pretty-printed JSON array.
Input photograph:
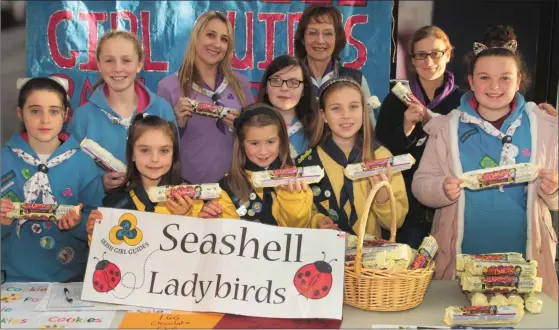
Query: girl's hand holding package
[
  {"x": 548, "y": 181},
  {"x": 94, "y": 215},
  {"x": 382, "y": 195},
  {"x": 327, "y": 223},
  {"x": 183, "y": 110},
  {"x": 70, "y": 220},
  {"x": 179, "y": 205},
  {"x": 548, "y": 108},
  {"x": 112, "y": 180},
  {"x": 451, "y": 187},
  {"x": 211, "y": 209},
  {"x": 5, "y": 207},
  {"x": 228, "y": 120},
  {"x": 413, "y": 115},
  {"x": 295, "y": 186}
]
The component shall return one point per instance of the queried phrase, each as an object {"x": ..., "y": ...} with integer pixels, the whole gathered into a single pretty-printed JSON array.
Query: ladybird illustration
[
  {"x": 106, "y": 276},
  {"x": 314, "y": 281}
]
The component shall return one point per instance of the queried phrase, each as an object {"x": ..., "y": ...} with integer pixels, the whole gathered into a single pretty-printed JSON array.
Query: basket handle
[{"x": 365, "y": 216}]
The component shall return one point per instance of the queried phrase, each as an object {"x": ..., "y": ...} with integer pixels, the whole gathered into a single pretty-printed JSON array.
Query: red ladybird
[
  {"x": 314, "y": 280},
  {"x": 106, "y": 276}
]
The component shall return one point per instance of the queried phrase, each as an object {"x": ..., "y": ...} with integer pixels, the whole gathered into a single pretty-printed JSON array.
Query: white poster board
[{"x": 215, "y": 265}]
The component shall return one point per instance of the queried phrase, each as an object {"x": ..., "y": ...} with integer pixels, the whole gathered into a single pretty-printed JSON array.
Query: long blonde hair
[
  {"x": 237, "y": 179},
  {"x": 188, "y": 72},
  {"x": 118, "y": 34},
  {"x": 365, "y": 134}
]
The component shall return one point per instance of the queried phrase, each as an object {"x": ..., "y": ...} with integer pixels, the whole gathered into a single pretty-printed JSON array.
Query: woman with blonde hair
[{"x": 206, "y": 75}]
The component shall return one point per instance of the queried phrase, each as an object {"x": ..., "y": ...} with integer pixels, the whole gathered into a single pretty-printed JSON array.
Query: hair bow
[{"x": 62, "y": 81}]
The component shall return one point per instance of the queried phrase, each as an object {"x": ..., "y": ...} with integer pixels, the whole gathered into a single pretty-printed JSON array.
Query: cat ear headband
[{"x": 511, "y": 45}]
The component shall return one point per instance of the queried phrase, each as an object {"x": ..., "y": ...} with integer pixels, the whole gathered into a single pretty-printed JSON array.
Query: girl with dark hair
[
  {"x": 286, "y": 85},
  {"x": 261, "y": 143},
  {"x": 152, "y": 154},
  {"x": 43, "y": 164},
  {"x": 493, "y": 126}
]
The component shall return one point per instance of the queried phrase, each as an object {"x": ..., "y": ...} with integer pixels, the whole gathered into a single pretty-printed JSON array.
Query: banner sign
[
  {"x": 62, "y": 37},
  {"x": 218, "y": 265}
]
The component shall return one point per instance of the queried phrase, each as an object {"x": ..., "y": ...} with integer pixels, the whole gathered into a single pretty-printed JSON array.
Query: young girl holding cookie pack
[
  {"x": 345, "y": 136},
  {"x": 43, "y": 164},
  {"x": 261, "y": 144},
  {"x": 152, "y": 152},
  {"x": 492, "y": 126}
]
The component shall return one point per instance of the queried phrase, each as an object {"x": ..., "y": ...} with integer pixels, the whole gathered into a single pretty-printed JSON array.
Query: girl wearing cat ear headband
[
  {"x": 493, "y": 126},
  {"x": 261, "y": 143}
]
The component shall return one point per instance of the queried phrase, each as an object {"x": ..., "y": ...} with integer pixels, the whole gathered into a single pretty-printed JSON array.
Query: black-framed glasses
[
  {"x": 436, "y": 54},
  {"x": 278, "y": 82}
]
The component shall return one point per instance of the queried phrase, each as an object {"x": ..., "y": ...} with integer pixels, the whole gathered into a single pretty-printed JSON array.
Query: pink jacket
[{"x": 441, "y": 160}]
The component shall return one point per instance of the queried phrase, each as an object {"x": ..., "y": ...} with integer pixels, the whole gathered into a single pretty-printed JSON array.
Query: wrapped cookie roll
[
  {"x": 351, "y": 240},
  {"x": 210, "y": 110},
  {"x": 501, "y": 284},
  {"x": 275, "y": 178},
  {"x": 485, "y": 315},
  {"x": 519, "y": 268},
  {"x": 499, "y": 299},
  {"x": 425, "y": 253},
  {"x": 477, "y": 299},
  {"x": 463, "y": 259},
  {"x": 102, "y": 157},
  {"x": 515, "y": 299},
  {"x": 533, "y": 303},
  {"x": 38, "y": 211},
  {"x": 497, "y": 176},
  {"x": 394, "y": 251},
  {"x": 204, "y": 191},
  {"x": 362, "y": 170}
]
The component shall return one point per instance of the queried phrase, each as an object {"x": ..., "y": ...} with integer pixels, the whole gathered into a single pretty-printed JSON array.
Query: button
[
  {"x": 115, "y": 120},
  {"x": 507, "y": 139},
  {"x": 43, "y": 168}
]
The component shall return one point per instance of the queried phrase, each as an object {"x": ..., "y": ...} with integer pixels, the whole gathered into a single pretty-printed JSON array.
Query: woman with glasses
[
  {"x": 206, "y": 75},
  {"x": 286, "y": 85},
  {"x": 400, "y": 127},
  {"x": 319, "y": 40}
]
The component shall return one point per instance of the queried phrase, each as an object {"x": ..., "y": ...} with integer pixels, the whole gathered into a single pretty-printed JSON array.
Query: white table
[{"x": 439, "y": 296}]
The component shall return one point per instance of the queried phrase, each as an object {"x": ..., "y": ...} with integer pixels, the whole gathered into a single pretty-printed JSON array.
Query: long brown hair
[
  {"x": 142, "y": 123},
  {"x": 365, "y": 134},
  {"x": 237, "y": 179},
  {"x": 306, "y": 109},
  {"x": 118, "y": 34},
  {"x": 320, "y": 14},
  {"x": 188, "y": 72}
]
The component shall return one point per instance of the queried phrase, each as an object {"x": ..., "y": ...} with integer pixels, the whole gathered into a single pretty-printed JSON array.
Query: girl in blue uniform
[
  {"x": 116, "y": 98},
  {"x": 41, "y": 164}
]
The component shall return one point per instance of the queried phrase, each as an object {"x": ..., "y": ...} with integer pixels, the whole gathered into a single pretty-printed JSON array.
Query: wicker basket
[{"x": 383, "y": 290}]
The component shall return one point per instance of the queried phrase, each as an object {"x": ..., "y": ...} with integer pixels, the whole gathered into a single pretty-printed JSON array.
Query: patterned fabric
[
  {"x": 115, "y": 120},
  {"x": 509, "y": 151},
  {"x": 39, "y": 182}
]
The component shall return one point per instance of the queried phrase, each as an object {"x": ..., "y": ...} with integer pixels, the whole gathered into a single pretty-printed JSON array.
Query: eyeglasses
[
  {"x": 436, "y": 54},
  {"x": 313, "y": 34},
  {"x": 291, "y": 83}
]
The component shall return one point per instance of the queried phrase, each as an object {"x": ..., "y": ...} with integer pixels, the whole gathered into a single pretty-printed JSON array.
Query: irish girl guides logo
[{"x": 126, "y": 231}]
